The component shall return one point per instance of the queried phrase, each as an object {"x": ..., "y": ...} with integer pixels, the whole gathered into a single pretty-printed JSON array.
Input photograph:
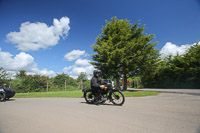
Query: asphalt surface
[
  {"x": 195, "y": 92},
  {"x": 165, "y": 113}
]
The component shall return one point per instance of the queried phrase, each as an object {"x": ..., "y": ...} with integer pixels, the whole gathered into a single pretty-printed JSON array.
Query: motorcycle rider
[{"x": 96, "y": 83}]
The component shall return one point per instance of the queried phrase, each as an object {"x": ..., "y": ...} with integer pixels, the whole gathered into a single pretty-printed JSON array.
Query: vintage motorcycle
[
  {"x": 2, "y": 95},
  {"x": 113, "y": 95},
  {"x": 6, "y": 93}
]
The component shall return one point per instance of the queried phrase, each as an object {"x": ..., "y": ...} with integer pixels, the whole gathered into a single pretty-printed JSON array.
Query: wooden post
[
  {"x": 65, "y": 84},
  {"x": 81, "y": 84},
  {"x": 47, "y": 86}
]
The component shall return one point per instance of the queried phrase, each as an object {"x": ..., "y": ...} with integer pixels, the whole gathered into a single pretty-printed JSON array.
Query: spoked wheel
[
  {"x": 89, "y": 97},
  {"x": 117, "y": 97},
  {"x": 2, "y": 97}
]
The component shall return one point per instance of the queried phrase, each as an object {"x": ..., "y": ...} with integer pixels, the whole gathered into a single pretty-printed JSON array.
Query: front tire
[{"x": 117, "y": 97}]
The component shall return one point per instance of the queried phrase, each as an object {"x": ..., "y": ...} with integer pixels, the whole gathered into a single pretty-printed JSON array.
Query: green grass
[
  {"x": 133, "y": 93},
  {"x": 78, "y": 94}
]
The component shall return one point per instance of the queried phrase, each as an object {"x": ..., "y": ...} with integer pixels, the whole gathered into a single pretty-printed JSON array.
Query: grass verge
[
  {"x": 133, "y": 93},
  {"x": 78, "y": 94}
]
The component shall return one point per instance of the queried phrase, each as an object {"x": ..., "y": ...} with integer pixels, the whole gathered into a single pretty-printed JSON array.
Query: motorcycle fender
[{"x": 85, "y": 91}]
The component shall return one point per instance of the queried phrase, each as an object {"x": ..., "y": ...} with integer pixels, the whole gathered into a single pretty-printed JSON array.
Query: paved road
[
  {"x": 177, "y": 91},
  {"x": 165, "y": 113}
]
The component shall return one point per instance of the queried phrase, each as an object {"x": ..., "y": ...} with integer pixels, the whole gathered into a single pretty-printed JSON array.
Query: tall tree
[
  {"x": 3, "y": 76},
  {"x": 123, "y": 50},
  {"x": 82, "y": 77},
  {"x": 61, "y": 80},
  {"x": 21, "y": 74}
]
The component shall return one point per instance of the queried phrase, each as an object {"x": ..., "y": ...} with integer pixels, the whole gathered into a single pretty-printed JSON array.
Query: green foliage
[
  {"x": 37, "y": 83},
  {"x": 61, "y": 80},
  {"x": 21, "y": 74},
  {"x": 82, "y": 76},
  {"x": 135, "y": 82},
  {"x": 180, "y": 71},
  {"x": 30, "y": 83},
  {"x": 86, "y": 84},
  {"x": 123, "y": 50},
  {"x": 83, "y": 81},
  {"x": 3, "y": 76}
]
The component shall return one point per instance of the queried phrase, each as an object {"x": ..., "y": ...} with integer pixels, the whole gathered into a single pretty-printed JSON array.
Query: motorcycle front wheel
[{"x": 117, "y": 97}]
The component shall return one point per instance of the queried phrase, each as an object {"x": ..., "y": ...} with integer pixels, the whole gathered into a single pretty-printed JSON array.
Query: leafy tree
[
  {"x": 179, "y": 71},
  {"x": 3, "y": 76},
  {"x": 21, "y": 74},
  {"x": 62, "y": 80},
  {"x": 123, "y": 50},
  {"x": 192, "y": 65},
  {"x": 82, "y": 76}
]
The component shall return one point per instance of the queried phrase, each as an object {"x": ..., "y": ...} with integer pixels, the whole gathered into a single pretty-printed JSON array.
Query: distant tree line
[
  {"x": 23, "y": 82},
  {"x": 180, "y": 71}
]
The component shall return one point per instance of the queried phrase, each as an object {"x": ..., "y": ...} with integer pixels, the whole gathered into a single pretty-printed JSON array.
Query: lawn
[{"x": 78, "y": 94}]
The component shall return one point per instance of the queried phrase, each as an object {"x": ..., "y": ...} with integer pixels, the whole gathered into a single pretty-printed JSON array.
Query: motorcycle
[
  {"x": 102, "y": 95},
  {"x": 2, "y": 95},
  {"x": 6, "y": 93}
]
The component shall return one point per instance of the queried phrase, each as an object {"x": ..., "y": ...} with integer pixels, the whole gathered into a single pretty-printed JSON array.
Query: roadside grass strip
[
  {"x": 78, "y": 94},
  {"x": 133, "y": 93}
]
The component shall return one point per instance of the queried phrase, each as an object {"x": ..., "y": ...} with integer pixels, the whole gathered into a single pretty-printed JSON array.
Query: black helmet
[{"x": 95, "y": 72}]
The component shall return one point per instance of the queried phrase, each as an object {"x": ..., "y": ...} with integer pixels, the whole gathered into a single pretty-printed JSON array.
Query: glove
[{"x": 102, "y": 86}]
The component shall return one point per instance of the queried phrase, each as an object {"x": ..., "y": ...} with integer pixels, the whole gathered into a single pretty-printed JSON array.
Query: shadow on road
[
  {"x": 9, "y": 100},
  {"x": 100, "y": 104}
]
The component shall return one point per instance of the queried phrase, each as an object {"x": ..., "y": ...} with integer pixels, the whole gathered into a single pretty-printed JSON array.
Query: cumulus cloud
[
  {"x": 172, "y": 49},
  {"x": 35, "y": 36},
  {"x": 82, "y": 62},
  {"x": 74, "y": 55},
  {"x": 75, "y": 70},
  {"x": 22, "y": 61},
  {"x": 80, "y": 65}
]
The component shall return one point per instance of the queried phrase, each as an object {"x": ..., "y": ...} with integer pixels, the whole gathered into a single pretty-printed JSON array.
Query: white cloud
[
  {"x": 75, "y": 70},
  {"x": 74, "y": 54},
  {"x": 46, "y": 72},
  {"x": 34, "y": 36},
  {"x": 22, "y": 61},
  {"x": 172, "y": 49},
  {"x": 82, "y": 62},
  {"x": 80, "y": 65}
]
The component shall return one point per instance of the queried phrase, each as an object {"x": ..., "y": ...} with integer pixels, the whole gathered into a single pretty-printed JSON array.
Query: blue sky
[{"x": 54, "y": 36}]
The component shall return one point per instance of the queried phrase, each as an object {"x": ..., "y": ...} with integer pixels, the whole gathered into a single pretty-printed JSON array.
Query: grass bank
[{"x": 78, "y": 94}]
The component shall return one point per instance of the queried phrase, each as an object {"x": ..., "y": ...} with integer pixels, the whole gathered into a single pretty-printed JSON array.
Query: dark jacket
[{"x": 95, "y": 82}]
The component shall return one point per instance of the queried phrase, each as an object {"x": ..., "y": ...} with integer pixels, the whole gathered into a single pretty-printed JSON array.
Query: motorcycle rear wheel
[
  {"x": 117, "y": 97},
  {"x": 89, "y": 97}
]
